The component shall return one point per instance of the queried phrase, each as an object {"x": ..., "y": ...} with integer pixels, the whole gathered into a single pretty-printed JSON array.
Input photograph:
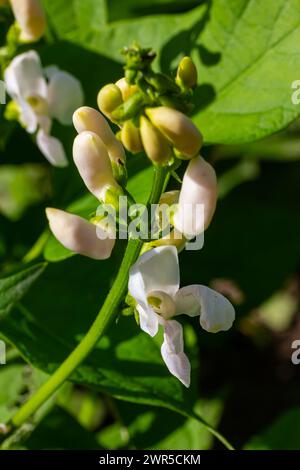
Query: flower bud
[
  {"x": 155, "y": 144},
  {"x": 187, "y": 73},
  {"x": 93, "y": 164},
  {"x": 88, "y": 119},
  {"x": 109, "y": 98},
  {"x": 131, "y": 137},
  {"x": 31, "y": 19},
  {"x": 129, "y": 109},
  {"x": 178, "y": 129},
  {"x": 79, "y": 235},
  {"x": 199, "y": 189},
  {"x": 126, "y": 89}
]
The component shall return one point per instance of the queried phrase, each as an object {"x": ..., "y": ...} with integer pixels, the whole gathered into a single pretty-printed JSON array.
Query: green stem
[
  {"x": 107, "y": 312},
  {"x": 37, "y": 248}
]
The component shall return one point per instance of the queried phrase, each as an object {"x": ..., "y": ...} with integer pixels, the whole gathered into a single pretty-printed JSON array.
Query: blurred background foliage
[{"x": 244, "y": 382}]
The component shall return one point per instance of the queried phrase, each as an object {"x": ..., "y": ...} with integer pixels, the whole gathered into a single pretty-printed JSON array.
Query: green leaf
[
  {"x": 48, "y": 434},
  {"x": 14, "y": 287},
  {"x": 148, "y": 428},
  {"x": 246, "y": 52},
  {"x": 283, "y": 434},
  {"x": 21, "y": 187},
  {"x": 11, "y": 386}
]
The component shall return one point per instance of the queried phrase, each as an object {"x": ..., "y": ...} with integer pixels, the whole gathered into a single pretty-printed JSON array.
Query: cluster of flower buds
[
  {"x": 96, "y": 151},
  {"x": 150, "y": 109},
  {"x": 30, "y": 18}
]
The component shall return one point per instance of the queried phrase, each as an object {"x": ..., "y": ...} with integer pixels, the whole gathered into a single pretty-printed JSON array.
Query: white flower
[
  {"x": 43, "y": 95},
  {"x": 154, "y": 283}
]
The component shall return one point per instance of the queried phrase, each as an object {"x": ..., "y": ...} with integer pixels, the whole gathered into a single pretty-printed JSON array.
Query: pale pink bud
[
  {"x": 30, "y": 17},
  {"x": 79, "y": 235},
  {"x": 89, "y": 119},
  {"x": 199, "y": 191},
  {"x": 93, "y": 164}
]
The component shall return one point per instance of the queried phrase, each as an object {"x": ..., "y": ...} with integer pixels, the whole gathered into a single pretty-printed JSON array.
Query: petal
[
  {"x": 187, "y": 301},
  {"x": 93, "y": 163},
  {"x": 159, "y": 269},
  {"x": 79, "y": 235},
  {"x": 50, "y": 71},
  {"x": 149, "y": 321},
  {"x": 65, "y": 94},
  {"x": 216, "y": 312},
  {"x": 88, "y": 119},
  {"x": 51, "y": 148},
  {"x": 24, "y": 76},
  {"x": 198, "y": 198},
  {"x": 173, "y": 354},
  {"x": 28, "y": 118}
]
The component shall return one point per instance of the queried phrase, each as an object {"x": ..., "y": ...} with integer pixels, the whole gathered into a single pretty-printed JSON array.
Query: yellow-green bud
[
  {"x": 126, "y": 89},
  {"x": 187, "y": 73},
  {"x": 131, "y": 137},
  {"x": 12, "y": 111},
  {"x": 178, "y": 129},
  {"x": 31, "y": 19},
  {"x": 109, "y": 98},
  {"x": 155, "y": 144}
]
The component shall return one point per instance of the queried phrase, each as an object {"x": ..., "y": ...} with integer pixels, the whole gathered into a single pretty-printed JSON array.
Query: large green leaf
[
  {"x": 246, "y": 51},
  {"x": 14, "y": 287},
  {"x": 149, "y": 428},
  {"x": 283, "y": 434}
]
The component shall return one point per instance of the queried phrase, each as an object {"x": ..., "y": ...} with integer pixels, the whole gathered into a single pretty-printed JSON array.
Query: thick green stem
[{"x": 107, "y": 312}]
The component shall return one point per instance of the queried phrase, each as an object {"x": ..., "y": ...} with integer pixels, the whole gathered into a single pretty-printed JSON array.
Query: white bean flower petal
[
  {"x": 24, "y": 77},
  {"x": 93, "y": 163},
  {"x": 89, "y": 119},
  {"x": 172, "y": 352},
  {"x": 79, "y": 235},
  {"x": 65, "y": 95},
  {"x": 198, "y": 198},
  {"x": 52, "y": 149},
  {"x": 216, "y": 312},
  {"x": 28, "y": 117}
]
